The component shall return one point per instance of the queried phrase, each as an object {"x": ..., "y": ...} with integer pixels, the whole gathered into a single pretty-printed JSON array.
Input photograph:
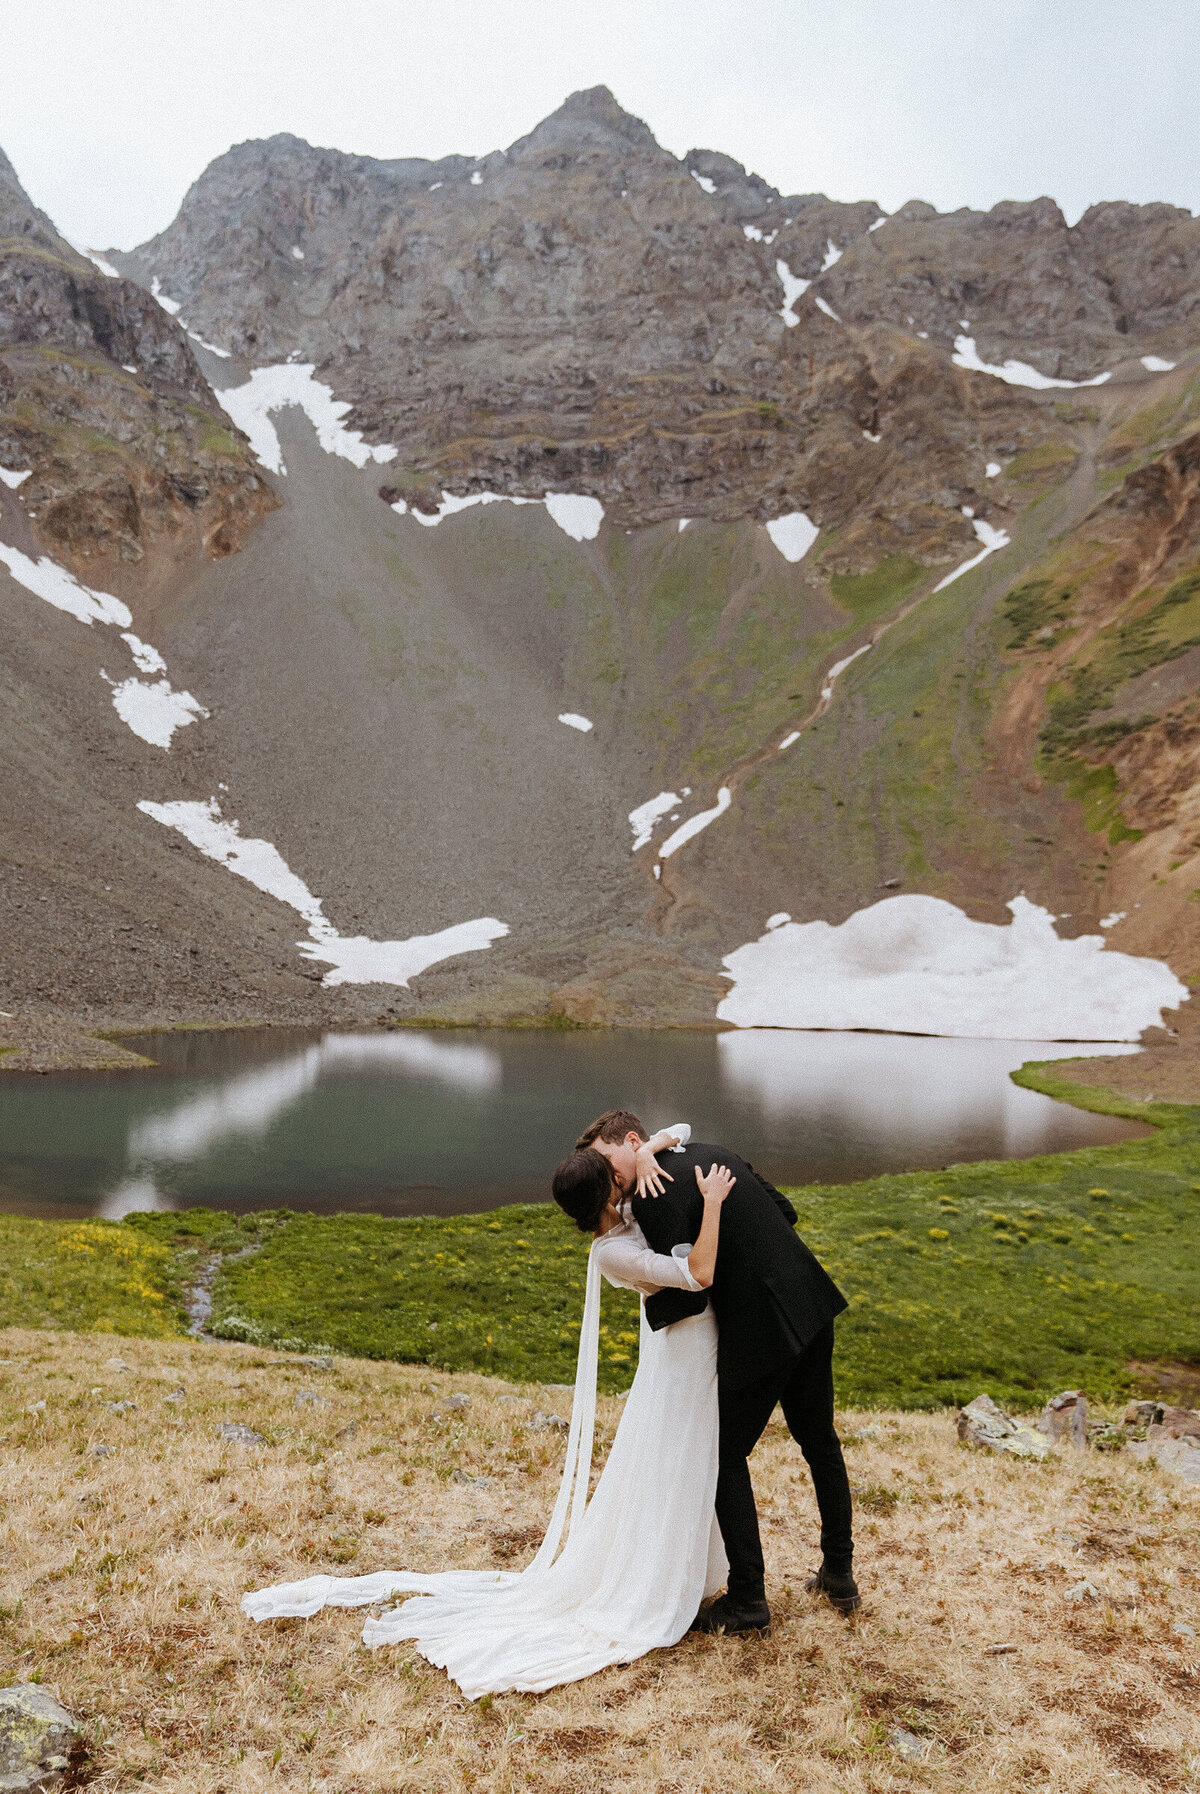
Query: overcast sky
[{"x": 109, "y": 109}]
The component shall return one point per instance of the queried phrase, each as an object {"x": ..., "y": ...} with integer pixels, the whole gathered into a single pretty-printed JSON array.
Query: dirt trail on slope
[{"x": 1077, "y": 496}]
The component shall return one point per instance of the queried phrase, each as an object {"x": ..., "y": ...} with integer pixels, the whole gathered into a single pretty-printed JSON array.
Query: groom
[{"x": 775, "y": 1307}]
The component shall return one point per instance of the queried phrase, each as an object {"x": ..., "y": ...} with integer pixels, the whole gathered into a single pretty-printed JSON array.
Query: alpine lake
[{"x": 439, "y": 1123}]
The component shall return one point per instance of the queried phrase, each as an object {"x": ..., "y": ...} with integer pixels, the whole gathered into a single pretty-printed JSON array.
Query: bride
[{"x": 645, "y": 1550}]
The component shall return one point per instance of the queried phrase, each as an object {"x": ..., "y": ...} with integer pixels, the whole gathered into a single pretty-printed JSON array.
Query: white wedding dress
[{"x": 639, "y": 1556}]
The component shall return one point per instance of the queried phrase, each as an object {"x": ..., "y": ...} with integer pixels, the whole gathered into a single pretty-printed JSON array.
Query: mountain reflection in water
[{"x": 419, "y": 1123}]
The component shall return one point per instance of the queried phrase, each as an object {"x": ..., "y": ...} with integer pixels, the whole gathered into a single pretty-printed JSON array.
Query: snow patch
[
  {"x": 878, "y": 224},
  {"x": 579, "y": 517},
  {"x": 702, "y": 180},
  {"x": 1118, "y": 915},
  {"x": 1017, "y": 373},
  {"x": 145, "y": 658},
  {"x": 876, "y": 437},
  {"x": 918, "y": 965},
  {"x": 354, "y": 959},
  {"x": 643, "y": 820},
  {"x": 297, "y": 253},
  {"x": 695, "y": 824},
  {"x": 574, "y": 721},
  {"x": 451, "y": 505},
  {"x": 155, "y": 711},
  {"x": 477, "y": 179},
  {"x": 435, "y": 185},
  {"x": 793, "y": 535},
  {"x": 211, "y": 347},
  {"x": 832, "y": 255},
  {"x": 789, "y": 738},
  {"x": 778, "y": 919},
  {"x": 752, "y": 232},
  {"x": 98, "y": 261},
  {"x": 824, "y": 305},
  {"x": 991, "y": 538},
  {"x": 169, "y": 305},
  {"x": 45, "y": 579},
  {"x": 1154, "y": 364},
  {"x": 683, "y": 523},
  {"x": 793, "y": 287},
  {"x": 259, "y": 862},
  {"x": 13, "y": 480},
  {"x": 291, "y": 383},
  {"x": 838, "y": 668},
  {"x": 992, "y": 469}
]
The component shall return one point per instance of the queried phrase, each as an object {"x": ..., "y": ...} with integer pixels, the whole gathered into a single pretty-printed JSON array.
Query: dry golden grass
[{"x": 128, "y": 1569}]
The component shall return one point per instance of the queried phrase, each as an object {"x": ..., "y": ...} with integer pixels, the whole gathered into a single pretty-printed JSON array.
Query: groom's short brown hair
[{"x": 611, "y": 1127}]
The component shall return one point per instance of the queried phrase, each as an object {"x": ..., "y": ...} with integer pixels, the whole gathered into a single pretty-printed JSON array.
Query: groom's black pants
[{"x": 804, "y": 1389}]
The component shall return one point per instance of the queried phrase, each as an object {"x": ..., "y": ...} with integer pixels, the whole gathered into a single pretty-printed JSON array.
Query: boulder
[
  {"x": 1178, "y": 1423},
  {"x": 1065, "y": 1417},
  {"x": 1181, "y": 1457},
  {"x": 39, "y": 1740},
  {"x": 910, "y": 1748},
  {"x": 982, "y": 1424},
  {"x": 540, "y": 1421},
  {"x": 238, "y": 1434}
]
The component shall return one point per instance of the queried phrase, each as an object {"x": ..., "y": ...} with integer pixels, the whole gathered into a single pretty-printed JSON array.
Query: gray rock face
[
  {"x": 101, "y": 397},
  {"x": 39, "y": 1740},
  {"x": 580, "y": 313}
]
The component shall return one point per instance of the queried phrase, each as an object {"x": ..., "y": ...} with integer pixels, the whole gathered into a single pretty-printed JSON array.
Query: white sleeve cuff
[
  {"x": 682, "y": 1253},
  {"x": 682, "y": 1131}
]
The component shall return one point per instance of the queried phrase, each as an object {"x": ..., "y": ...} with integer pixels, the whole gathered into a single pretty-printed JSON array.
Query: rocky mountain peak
[
  {"x": 20, "y": 218},
  {"x": 588, "y": 122}
]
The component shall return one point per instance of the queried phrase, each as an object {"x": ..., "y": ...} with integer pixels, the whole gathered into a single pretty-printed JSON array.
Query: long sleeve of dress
[{"x": 628, "y": 1262}]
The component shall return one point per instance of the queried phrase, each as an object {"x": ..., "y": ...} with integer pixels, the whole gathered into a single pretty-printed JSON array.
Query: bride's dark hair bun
[{"x": 582, "y": 1186}]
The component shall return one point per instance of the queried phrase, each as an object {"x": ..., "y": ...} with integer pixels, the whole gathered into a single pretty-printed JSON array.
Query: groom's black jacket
[{"x": 769, "y": 1294}]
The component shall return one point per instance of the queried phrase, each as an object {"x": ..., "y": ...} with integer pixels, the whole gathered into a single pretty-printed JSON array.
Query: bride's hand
[
  {"x": 716, "y": 1186},
  {"x": 650, "y": 1174}
]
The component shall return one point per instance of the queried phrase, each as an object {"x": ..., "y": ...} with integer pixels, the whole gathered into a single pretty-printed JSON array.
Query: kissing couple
[{"x": 737, "y": 1316}]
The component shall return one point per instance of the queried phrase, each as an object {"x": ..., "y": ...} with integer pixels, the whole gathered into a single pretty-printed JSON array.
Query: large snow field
[
  {"x": 355, "y": 959},
  {"x": 918, "y": 965}
]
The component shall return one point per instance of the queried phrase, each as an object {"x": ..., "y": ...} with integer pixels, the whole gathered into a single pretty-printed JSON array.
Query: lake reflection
[{"x": 422, "y": 1123}]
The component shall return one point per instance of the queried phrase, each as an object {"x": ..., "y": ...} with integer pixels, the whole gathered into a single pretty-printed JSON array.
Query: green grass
[
  {"x": 1019, "y": 1277},
  {"x": 1047, "y": 457},
  {"x": 870, "y": 595},
  {"x": 92, "y": 1276}
]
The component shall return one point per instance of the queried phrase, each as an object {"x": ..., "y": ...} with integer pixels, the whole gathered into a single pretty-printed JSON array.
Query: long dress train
[{"x": 639, "y": 1556}]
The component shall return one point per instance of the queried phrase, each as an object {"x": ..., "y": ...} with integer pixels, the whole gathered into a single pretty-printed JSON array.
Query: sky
[{"x": 109, "y": 109}]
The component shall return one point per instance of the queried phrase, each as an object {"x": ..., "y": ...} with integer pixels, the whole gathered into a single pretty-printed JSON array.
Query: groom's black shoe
[
  {"x": 727, "y": 1615},
  {"x": 841, "y": 1591}
]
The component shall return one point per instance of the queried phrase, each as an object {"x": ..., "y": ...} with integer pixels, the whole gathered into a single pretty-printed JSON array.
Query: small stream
[{"x": 412, "y": 1122}]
